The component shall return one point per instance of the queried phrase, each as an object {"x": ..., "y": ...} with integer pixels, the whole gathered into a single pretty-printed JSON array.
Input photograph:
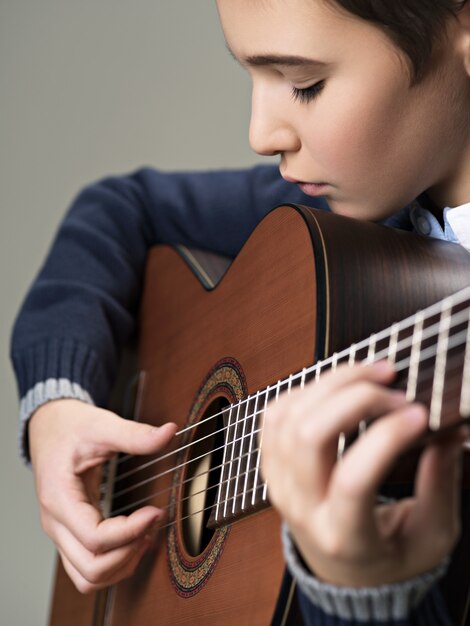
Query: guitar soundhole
[{"x": 201, "y": 478}]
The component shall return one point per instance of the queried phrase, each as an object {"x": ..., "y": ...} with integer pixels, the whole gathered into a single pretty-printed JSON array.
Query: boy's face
[{"x": 371, "y": 139}]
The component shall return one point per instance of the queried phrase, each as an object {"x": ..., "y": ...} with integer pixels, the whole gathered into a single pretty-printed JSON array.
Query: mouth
[
  {"x": 313, "y": 189},
  {"x": 309, "y": 189}
]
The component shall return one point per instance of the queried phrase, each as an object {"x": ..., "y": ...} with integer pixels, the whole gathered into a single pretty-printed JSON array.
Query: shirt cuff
[
  {"x": 366, "y": 604},
  {"x": 41, "y": 393}
]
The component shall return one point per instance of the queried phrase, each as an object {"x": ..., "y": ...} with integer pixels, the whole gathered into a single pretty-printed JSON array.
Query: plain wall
[{"x": 87, "y": 89}]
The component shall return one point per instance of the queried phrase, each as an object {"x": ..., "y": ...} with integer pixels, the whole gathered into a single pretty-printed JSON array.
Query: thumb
[{"x": 117, "y": 434}]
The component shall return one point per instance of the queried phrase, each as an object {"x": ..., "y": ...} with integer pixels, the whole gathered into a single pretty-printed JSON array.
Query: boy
[{"x": 367, "y": 104}]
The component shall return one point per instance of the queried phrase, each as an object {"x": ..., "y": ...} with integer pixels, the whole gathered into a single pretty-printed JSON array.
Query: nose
[{"x": 271, "y": 130}]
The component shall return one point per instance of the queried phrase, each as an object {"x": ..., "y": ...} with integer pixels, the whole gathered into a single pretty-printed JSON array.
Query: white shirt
[{"x": 456, "y": 223}]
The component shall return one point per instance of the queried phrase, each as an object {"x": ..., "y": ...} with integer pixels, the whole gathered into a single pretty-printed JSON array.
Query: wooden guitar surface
[{"x": 306, "y": 284}]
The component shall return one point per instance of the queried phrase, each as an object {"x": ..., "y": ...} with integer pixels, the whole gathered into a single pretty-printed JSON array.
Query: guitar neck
[{"x": 431, "y": 354}]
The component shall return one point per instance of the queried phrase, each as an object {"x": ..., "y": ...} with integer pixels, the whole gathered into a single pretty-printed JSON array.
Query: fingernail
[
  {"x": 160, "y": 516},
  {"x": 416, "y": 413}
]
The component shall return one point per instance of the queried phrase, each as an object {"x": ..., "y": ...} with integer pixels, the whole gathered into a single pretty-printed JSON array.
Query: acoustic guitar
[{"x": 218, "y": 341}]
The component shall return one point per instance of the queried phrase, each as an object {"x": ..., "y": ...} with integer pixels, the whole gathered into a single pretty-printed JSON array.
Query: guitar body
[{"x": 305, "y": 285}]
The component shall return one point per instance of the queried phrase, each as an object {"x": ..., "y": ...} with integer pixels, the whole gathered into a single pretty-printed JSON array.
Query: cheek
[
  {"x": 350, "y": 138},
  {"x": 368, "y": 139}
]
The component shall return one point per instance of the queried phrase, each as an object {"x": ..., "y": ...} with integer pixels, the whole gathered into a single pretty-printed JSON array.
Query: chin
[{"x": 359, "y": 211}]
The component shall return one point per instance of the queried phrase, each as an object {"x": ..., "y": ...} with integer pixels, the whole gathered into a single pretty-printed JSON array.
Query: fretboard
[{"x": 431, "y": 354}]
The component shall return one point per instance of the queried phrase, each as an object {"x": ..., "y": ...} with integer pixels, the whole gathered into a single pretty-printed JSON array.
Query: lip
[
  {"x": 309, "y": 189},
  {"x": 313, "y": 189}
]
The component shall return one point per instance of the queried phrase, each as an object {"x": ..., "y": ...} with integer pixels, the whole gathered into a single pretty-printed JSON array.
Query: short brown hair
[{"x": 413, "y": 25}]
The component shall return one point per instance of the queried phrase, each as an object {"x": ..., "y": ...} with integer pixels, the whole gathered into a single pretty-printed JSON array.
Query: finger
[
  {"x": 437, "y": 489},
  {"x": 381, "y": 372},
  {"x": 302, "y": 439},
  {"x": 303, "y": 405},
  {"x": 85, "y": 586},
  {"x": 100, "y": 535},
  {"x": 99, "y": 569},
  {"x": 357, "y": 477},
  {"x": 68, "y": 502},
  {"x": 113, "y": 434},
  {"x": 331, "y": 382},
  {"x": 344, "y": 411}
]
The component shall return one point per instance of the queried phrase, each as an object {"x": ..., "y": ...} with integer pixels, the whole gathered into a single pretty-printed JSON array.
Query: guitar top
[{"x": 308, "y": 291}]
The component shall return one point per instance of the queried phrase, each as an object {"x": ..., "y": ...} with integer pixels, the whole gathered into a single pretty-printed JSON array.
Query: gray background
[{"x": 87, "y": 89}]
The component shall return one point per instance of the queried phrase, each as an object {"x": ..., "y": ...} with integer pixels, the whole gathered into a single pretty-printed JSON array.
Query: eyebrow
[{"x": 276, "y": 59}]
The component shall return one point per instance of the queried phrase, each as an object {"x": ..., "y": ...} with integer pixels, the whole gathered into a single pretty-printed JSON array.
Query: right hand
[{"x": 69, "y": 442}]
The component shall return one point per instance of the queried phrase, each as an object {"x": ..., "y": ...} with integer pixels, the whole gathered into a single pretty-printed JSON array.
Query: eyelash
[{"x": 309, "y": 93}]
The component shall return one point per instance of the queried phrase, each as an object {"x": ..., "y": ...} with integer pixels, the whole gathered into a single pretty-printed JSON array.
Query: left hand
[{"x": 331, "y": 507}]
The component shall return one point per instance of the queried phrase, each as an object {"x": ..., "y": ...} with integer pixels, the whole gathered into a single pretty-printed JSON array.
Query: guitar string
[
  {"x": 460, "y": 297},
  {"x": 186, "y": 463},
  {"x": 188, "y": 480},
  {"x": 403, "y": 365},
  {"x": 431, "y": 311},
  {"x": 430, "y": 332},
  {"x": 227, "y": 500},
  {"x": 400, "y": 366},
  {"x": 423, "y": 380},
  {"x": 208, "y": 508}
]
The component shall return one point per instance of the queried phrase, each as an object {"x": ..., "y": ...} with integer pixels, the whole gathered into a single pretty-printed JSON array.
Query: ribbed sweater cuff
[
  {"x": 40, "y": 394},
  {"x": 53, "y": 370},
  {"x": 384, "y": 604}
]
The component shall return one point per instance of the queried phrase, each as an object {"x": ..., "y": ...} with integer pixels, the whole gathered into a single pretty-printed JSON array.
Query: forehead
[
  {"x": 279, "y": 23},
  {"x": 314, "y": 29}
]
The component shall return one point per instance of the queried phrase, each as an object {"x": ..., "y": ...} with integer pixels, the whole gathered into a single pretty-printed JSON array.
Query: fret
[
  {"x": 352, "y": 355},
  {"x": 249, "y": 479},
  {"x": 464, "y": 408},
  {"x": 413, "y": 369},
  {"x": 285, "y": 385},
  {"x": 258, "y": 456},
  {"x": 302, "y": 378},
  {"x": 241, "y": 457},
  {"x": 231, "y": 434},
  {"x": 440, "y": 367},
  {"x": 220, "y": 499},
  {"x": 362, "y": 424},
  {"x": 371, "y": 349},
  {"x": 318, "y": 367},
  {"x": 334, "y": 361},
  {"x": 289, "y": 384},
  {"x": 310, "y": 374},
  {"x": 265, "y": 485},
  {"x": 393, "y": 344}
]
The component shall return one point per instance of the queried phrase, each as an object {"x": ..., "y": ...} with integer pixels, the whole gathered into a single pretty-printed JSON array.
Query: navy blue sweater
[{"x": 82, "y": 307}]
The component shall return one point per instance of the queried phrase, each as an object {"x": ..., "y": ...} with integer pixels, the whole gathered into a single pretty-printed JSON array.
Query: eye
[{"x": 309, "y": 93}]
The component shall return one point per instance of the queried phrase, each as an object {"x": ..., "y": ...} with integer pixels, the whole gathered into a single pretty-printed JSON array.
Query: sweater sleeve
[
  {"x": 82, "y": 307},
  {"x": 414, "y": 602}
]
